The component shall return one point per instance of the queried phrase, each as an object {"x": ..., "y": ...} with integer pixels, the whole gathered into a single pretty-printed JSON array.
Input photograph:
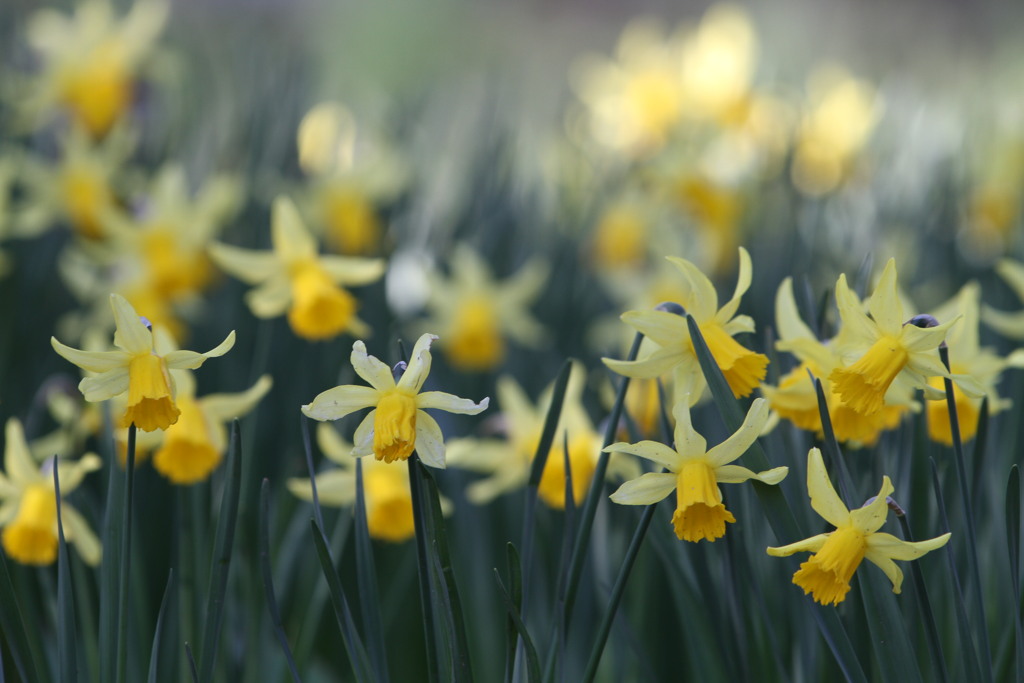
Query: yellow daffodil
[
  {"x": 389, "y": 515},
  {"x": 28, "y": 503},
  {"x": 507, "y": 462},
  {"x": 1010, "y": 325},
  {"x": 975, "y": 370},
  {"x": 294, "y": 278},
  {"x": 743, "y": 369},
  {"x": 137, "y": 369},
  {"x": 883, "y": 346},
  {"x": 397, "y": 425},
  {"x": 842, "y": 113},
  {"x": 694, "y": 473},
  {"x": 718, "y": 62},
  {"x": 90, "y": 62},
  {"x": 837, "y": 554},
  {"x": 475, "y": 313},
  {"x": 795, "y": 399}
]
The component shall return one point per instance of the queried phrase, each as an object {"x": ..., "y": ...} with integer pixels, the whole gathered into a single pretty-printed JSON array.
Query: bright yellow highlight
[
  {"x": 389, "y": 513},
  {"x": 97, "y": 89},
  {"x": 31, "y": 538},
  {"x": 620, "y": 238},
  {"x": 394, "y": 426},
  {"x": 863, "y": 384},
  {"x": 939, "y": 428},
  {"x": 743, "y": 369},
  {"x": 581, "y": 460},
  {"x": 320, "y": 309},
  {"x": 170, "y": 269},
  {"x": 86, "y": 197},
  {"x": 476, "y": 342},
  {"x": 150, "y": 403},
  {"x": 188, "y": 454},
  {"x": 700, "y": 513},
  {"x": 352, "y": 223}
]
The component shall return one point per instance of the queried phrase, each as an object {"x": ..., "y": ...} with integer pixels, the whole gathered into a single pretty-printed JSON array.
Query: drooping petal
[
  {"x": 810, "y": 545},
  {"x": 439, "y": 400},
  {"x": 224, "y": 407},
  {"x": 655, "y": 365},
  {"x": 734, "y": 474},
  {"x": 894, "y": 573},
  {"x": 649, "y": 450},
  {"x": 887, "y": 545},
  {"x": 333, "y": 446},
  {"x": 338, "y": 402},
  {"x": 370, "y": 368},
  {"x": 884, "y": 302},
  {"x": 871, "y": 517},
  {"x": 92, "y": 361},
  {"x": 190, "y": 360},
  {"x": 78, "y": 531},
  {"x": 743, "y": 279},
  {"x": 689, "y": 443},
  {"x": 131, "y": 335},
  {"x": 788, "y": 322},
  {"x": 104, "y": 386},
  {"x": 737, "y": 444},
  {"x": 419, "y": 364},
  {"x": 429, "y": 441},
  {"x": 646, "y": 489},
  {"x": 824, "y": 499}
]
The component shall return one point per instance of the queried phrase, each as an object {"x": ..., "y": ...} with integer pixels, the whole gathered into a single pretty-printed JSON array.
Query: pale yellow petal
[
  {"x": 856, "y": 324},
  {"x": 688, "y": 443},
  {"x": 894, "y": 573},
  {"x": 340, "y": 401},
  {"x": 662, "y": 327},
  {"x": 743, "y": 280},
  {"x": 370, "y": 368},
  {"x": 91, "y": 361},
  {"x": 887, "y": 545},
  {"x": 702, "y": 300},
  {"x": 884, "y": 302},
  {"x": 439, "y": 400},
  {"x": 788, "y": 322},
  {"x": 78, "y": 531},
  {"x": 291, "y": 240},
  {"x": 649, "y": 450},
  {"x": 270, "y": 299},
  {"x": 18, "y": 462},
  {"x": 224, "y": 407},
  {"x": 809, "y": 545},
  {"x": 734, "y": 474},
  {"x": 429, "y": 441},
  {"x": 131, "y": 335},
  {"x": 645, "y": 490},
  {"x": 333, "y": 446},
  {"x": 105, "y": 386},
  {"x": 336, "y": 488},
  {"x": 248, "y": 265},
  {"x": 72, "y": 472},
  {"x": 871, "y": 517},
  {"x": 177, "y": 360},
  {"x": 737, "y": 444},
  {"x": 352, "y": 270},
  {"x": 824, "y": 499},
  {"x": 419, "y": 364}
]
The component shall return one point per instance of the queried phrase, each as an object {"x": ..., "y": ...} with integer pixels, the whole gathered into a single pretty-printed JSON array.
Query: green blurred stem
[{"x": 126, "y": 555}]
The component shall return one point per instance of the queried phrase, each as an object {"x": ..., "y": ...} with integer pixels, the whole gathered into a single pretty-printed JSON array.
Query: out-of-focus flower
[
  {"x": 795, "y": 399},
  {"x": 79, "y": 189},
  {"x": 1010, "y": 325},
  {"x": 397, "y": 424},
  {"x": 476, "y": 313},
  {"x": 507, "y": 462},
  {"x": 694, "y": 473},
  {"x": 389, "y": 514},
  {"x": 28, "y": 503},
  {"x": 993, "y": 208},
  {"x": 743, "y": 369},
  {"x": 967, "y": 359},
  {"x": 351, "y": 172},
  {"x": 884, "y": 346},
  {"x": 841, "y": 114},
  {"x": 294, "y": 278},
  {"x": 837, "y": 554},
  {"x": 137, "y": 369},
  {"x": 90, "y": 62}
]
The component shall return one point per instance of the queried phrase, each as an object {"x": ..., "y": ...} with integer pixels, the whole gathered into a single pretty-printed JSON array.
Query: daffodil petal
[
  {"x": 419, "y": 364},
  {"x": 291, "y": 240},
  {"x": 702, "y": 299},
  {"x": 78, "y": 531},
  {"x": 224, "y": 407},
  {"x": 333, "y": 446},
  {"x": 250, "y": 266},
  {"x": 788, "y": 322},
  {"x": 649, "y": 450},
  {"x": 337, "y": 402},
  {"x": 688, "y": 442},
  {"x": 645, "y": 490},
  {"x": 439, "y": 400},
  {"x": 1010, "y": 325},
  {"x": 336, "y": 488},
  {"x": 18, "y": 462},
  {"x": 72, "y": 472},
  {"x": 737, "y": 444},
  {"x": 809, "y": 545},
  {"x": 739, "y": 325},
  {"x": 177, "y": 360},
  {"x": 370, "y": 368},
  {"x": 484, "y": 491},
  {"x": 734, "y": 474},
  {"x": 871, "y": 517},
  {"x": 824, "y": 499},
  {"x": 429, "y": 441},
  {"x": 855, "y": 321},
  {"x": 884, "y": 302},
  {"x": 271, "y": 298},
  {"x": 131, "y": 335},
  {"x": 362, "y": 439},
  {"x": 661, "y": 326},
  {"x": 743, "y": 280},
  {"x": 916, "y": 338},
  {"x": 894, "y": 573},
  {"x": 92, "y": 361},
  {"x": 106, "y": 385},
  {"x": 887, "y": 545},
  {"x": 352, "y": 270},
  {"x": 655, "y": 365}
]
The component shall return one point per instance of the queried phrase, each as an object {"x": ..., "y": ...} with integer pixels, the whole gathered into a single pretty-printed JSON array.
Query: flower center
[
  {"x": 700, "y": 513},
  {"x": 98, "y": 88},
  {"x": 188, "y": 454},
  {"x": 86, "y": 195},
  {"x": 475, "y": 342},
  {"x": 320, "y": 309},
  {"x": 150, "y": 404},
  {"x": 620, "y": 239},
  {"x": 863, "y": 384},
  {"x": 32, "y": 537},
  {"x": 388, "y": 503},
  {"x": 826, "y": 574},
  {"x": 171, "y": 269},
  {"x": 743, "y": 369},
  {"x": 582, "y": 453},
  {"x": 352, "y": 224},
  {"x": 394, "y": 426}
]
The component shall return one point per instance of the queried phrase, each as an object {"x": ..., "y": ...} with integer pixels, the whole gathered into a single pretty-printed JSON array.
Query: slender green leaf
[
  {"x": 124, "y": 575},
  {"x": 349, "y": 635},
  {"x": 935, "y": 649},
  {"x": 366, "y": 576},
  {"x": 192, "y": 670},
  {"x": 67, "y": 664},
  {"x": 268, "y": 579},
  {"x": 1013, "y": 549},
  {"x": 515, "y": 580},
  {"x": 423, "y": 564},
  {"x": 532, "y": 661},
  {"x": 547, "y": 435},
  {"x": 223, "y": 545},
  {"x": 159, "y": 653},
  {"x": 13, "y": 626}
]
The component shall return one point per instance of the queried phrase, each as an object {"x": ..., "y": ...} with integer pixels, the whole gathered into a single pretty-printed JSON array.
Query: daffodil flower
[
  {"x": 137, "y": 369},
  {"x": 743, "y": 369},
  {"x": 837, "y": 554},
  {"x": 295, "y": 279},
  {"x": 397, "y": 425},
  {"x": 475, "y": 313},
  {"x": 389, "y": 515},
  {"x": 694, "y": 473},
  {"x": 28, "y": 503},
  {"x": 1010, "y": 325},
  {"x": 883, "y": 346}
]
